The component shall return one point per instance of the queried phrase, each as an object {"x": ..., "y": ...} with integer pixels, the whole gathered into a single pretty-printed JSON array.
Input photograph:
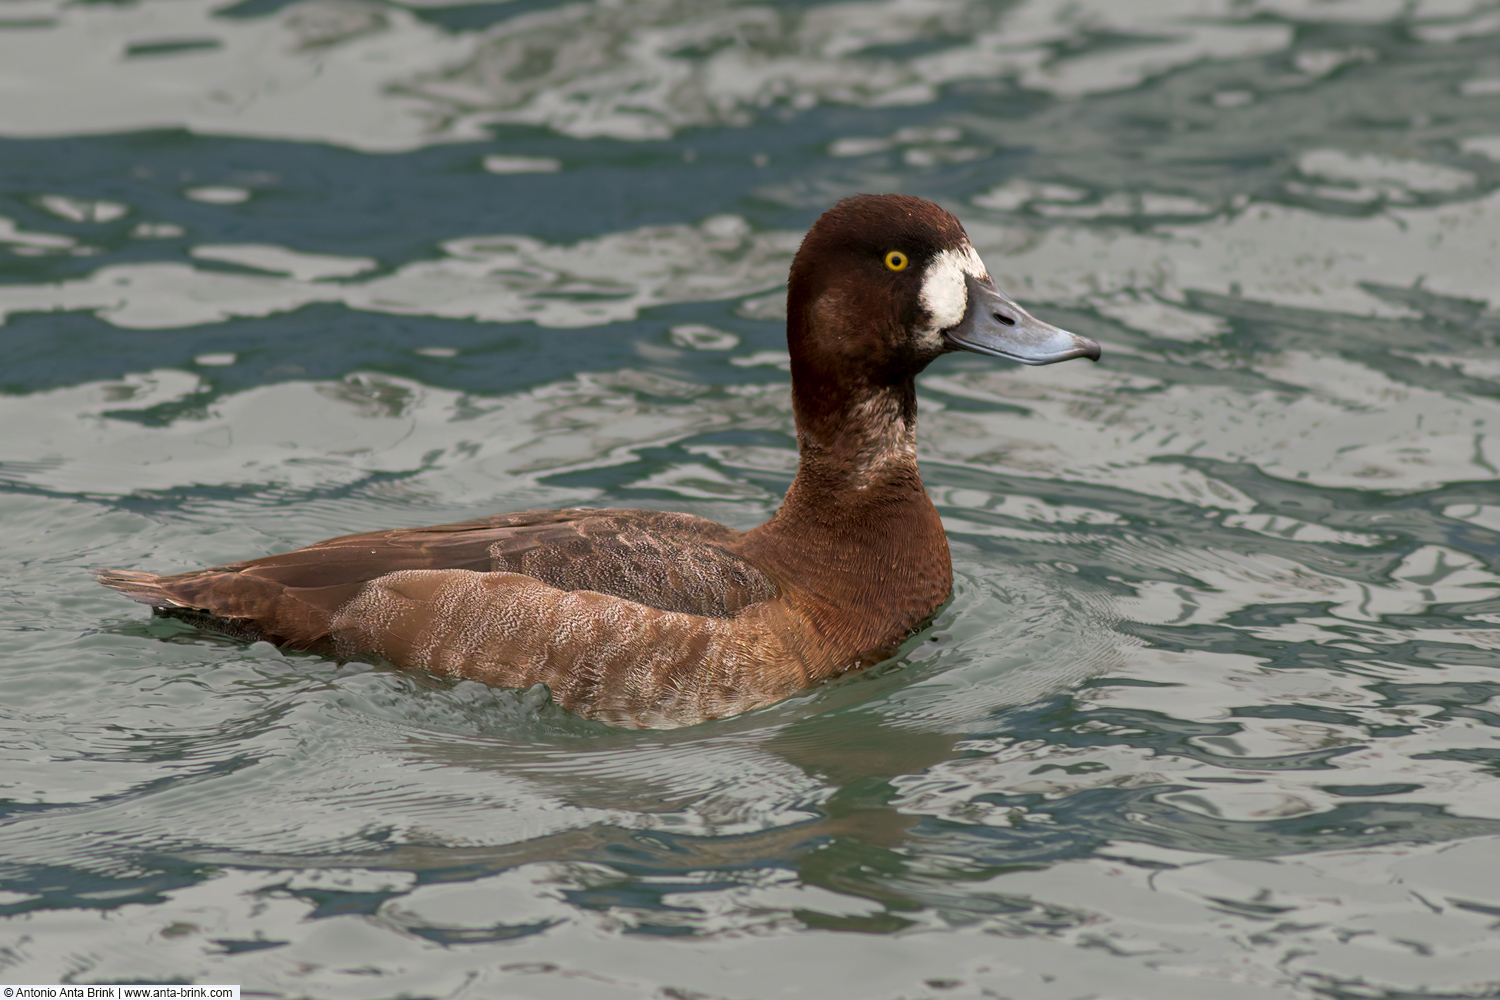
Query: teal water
[{"x": 1215, "y": 709}]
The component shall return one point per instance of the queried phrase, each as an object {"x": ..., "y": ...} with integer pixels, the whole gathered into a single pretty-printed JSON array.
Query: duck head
[
  {"x": 887, "y": 283},
  {"x": 882, "y": 286}
]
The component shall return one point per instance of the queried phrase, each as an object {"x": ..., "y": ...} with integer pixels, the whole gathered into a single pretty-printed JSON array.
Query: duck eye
[{"x": 896, "y": 260}]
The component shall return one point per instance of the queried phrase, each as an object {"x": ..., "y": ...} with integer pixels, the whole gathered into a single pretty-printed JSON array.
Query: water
[{"x": 1214, "y": 710}]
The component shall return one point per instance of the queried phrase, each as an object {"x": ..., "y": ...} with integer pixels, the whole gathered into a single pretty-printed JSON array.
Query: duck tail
[
  {"x": 148, "y": 588},
  {"x": 243, "y": 606}
]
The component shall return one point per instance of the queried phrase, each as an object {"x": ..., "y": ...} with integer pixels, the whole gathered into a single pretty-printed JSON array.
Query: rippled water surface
[{"x": 1214, "y": 711}]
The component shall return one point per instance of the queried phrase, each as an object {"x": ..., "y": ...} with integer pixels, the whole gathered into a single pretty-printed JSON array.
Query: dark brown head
[{"x": 883, "y": 284}]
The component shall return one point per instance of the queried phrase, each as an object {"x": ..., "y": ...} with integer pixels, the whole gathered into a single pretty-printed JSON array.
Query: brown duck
[{"x": 641, "y": 618}]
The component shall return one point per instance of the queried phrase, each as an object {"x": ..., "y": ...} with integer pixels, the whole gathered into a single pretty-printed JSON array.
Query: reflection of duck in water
[{"x": 644, "y": 618}]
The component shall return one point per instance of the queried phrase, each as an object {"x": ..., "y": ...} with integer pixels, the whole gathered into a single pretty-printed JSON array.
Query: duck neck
[
  {"x": 853, "y": 439},
  {"x": 855, "y": 403},
  {"x": 857, "y": 530},
  {"x": 857, "y": 487}
]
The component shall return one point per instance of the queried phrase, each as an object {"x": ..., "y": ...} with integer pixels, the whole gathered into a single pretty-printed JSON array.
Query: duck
[{"x": 651, "y": 619}]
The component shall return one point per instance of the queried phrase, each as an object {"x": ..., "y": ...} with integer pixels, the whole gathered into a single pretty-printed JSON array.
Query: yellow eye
[{"x": 896, "y": 260}]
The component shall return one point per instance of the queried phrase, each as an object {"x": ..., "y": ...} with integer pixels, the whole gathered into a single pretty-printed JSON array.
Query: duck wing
[{"x": 672, "y": 562}]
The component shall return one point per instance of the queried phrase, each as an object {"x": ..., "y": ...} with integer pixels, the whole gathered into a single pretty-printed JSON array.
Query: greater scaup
[{"x": 642, "y": 618}]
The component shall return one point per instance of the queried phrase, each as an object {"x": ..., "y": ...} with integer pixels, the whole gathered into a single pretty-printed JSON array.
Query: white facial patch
[{"x": 945, "y": 295}]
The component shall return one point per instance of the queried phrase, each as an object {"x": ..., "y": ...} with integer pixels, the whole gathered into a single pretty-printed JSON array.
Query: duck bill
[{"x": 996, "y": 326}]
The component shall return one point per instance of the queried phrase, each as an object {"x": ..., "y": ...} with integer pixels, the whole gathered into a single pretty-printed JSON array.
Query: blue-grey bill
[{"x": 996, "y": 326}]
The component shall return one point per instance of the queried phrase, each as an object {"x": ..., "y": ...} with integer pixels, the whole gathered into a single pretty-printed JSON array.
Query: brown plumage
[{"x": 643, "y": 618}]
